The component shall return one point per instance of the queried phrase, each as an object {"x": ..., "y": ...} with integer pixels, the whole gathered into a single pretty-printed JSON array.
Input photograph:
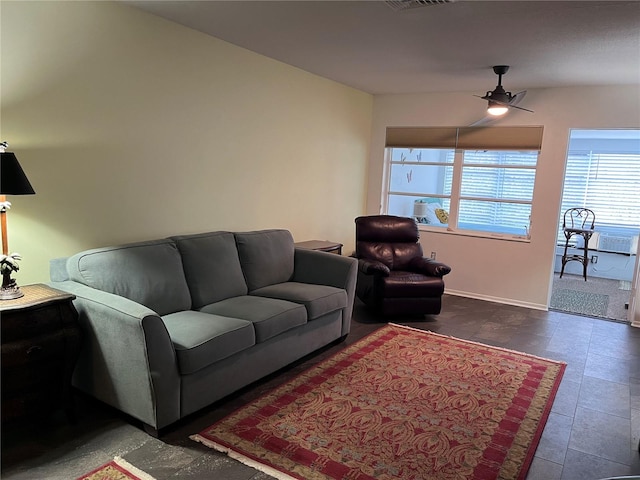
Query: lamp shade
[{"x": 13, "y": 181}]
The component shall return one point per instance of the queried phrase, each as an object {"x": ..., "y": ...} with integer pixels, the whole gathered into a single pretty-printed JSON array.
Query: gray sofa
[{"x": 172, "y": 325}]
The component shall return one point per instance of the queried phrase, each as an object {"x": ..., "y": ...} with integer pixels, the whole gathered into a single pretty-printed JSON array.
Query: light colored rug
[
  {"x": 117, "y": 469},
  {"x": 400, "y": 403},
  {"x": 617, "y": 291},
  {"x": 583, "y": 303}
]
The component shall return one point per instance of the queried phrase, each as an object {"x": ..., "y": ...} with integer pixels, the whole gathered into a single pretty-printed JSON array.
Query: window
[
  {"x": 420, "y": 184},
  {"x": 486, "y": 191},
  {"x": 497, "y": 191},
  {"x": 603, "y": 174}
]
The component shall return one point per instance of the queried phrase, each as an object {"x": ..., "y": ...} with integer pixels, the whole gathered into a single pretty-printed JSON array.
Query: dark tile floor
[{"x": 592, "y": 432}]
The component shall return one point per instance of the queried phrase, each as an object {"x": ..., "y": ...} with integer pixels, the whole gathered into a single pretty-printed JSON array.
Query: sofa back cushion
[
  {"x": 211, "y": 266},
  {"x": 266, "y": 257},
  {"x": 149, "y": 273}
]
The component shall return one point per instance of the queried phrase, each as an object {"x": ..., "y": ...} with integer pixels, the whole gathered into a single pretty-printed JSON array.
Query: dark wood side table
[
  {"x": 40, "y": 345},
  {"x": 321, "y": 245}
]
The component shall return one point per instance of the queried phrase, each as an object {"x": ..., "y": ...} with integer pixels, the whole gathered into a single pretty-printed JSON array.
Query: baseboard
[{"x": 504, "y": 301}]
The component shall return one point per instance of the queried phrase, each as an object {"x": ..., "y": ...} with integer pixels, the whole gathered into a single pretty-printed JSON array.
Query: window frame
[
  {"x": 420, "y": 137},
  {"x": 455, "y": 196},
  {"x": 501, "y": 169}
]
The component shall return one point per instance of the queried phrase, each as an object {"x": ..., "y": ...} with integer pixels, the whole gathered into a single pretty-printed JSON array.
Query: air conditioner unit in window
[{"x": 617, "y": 244}]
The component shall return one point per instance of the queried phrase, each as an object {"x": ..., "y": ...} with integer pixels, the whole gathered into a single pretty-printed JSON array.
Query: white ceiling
[{"x": 434, "y": 48}]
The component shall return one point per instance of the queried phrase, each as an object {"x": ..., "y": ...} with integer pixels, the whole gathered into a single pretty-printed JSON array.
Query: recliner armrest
[
  {"x": 372, "y": 267},
  {"x": 430, "y": 267}
]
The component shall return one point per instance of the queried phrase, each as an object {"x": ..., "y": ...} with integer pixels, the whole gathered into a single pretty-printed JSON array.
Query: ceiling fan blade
[
  {"x": 517, "y": 98},
  {"x": 485, "y": 121},
  {"x": 520, "y": 108}
]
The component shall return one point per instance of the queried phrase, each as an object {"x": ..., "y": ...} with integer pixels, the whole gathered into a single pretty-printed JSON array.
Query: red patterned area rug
[
  {"x": 399, "y": 404},
  {"x": 117, "y": 469}
]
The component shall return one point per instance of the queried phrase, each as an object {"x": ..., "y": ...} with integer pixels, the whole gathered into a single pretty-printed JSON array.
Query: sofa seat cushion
[
  {"x": 201, "y": 339},
  {"x": 269, "y": 316},
  {"x": 317, "y": 299}
]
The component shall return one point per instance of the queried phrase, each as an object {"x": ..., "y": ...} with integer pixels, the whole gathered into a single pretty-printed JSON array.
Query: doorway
[{"x": 602, "y": 173}]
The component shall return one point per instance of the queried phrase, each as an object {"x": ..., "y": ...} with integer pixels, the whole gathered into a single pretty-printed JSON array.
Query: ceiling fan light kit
[{"x": 496, "y": 109}]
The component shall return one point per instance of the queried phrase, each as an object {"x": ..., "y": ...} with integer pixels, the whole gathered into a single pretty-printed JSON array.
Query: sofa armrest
[
  {"x": 373, "y": 267},
  {"x": 429, "y": 267},
  {"x": 322, "y": 268},
  {"x": 127, "y": 359}
]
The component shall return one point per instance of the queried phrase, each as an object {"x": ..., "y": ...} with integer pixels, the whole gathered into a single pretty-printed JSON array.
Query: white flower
[{"x": 9, "y": 263}]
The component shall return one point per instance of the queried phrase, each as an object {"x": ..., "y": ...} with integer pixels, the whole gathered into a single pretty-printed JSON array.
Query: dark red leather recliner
[{"x": 394, "y": 278}]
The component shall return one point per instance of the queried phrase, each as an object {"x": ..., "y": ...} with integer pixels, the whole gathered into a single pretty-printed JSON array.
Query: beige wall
[
  {"x": 131, "y": 127},
  {"x": 490, "y": 269}
]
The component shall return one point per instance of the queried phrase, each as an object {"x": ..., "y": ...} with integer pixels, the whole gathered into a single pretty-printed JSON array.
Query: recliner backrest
[{"x": 389, "y": 239}]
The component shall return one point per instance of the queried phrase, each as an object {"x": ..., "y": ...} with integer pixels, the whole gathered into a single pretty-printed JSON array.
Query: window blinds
[{"x": 608, "y": 184}]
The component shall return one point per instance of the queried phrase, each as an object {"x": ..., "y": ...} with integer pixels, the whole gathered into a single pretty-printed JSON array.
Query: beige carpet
[{"x": 616, "y": 292}]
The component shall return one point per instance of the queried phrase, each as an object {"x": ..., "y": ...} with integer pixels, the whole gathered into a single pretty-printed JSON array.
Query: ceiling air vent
[{"x": 401, "y": 5}]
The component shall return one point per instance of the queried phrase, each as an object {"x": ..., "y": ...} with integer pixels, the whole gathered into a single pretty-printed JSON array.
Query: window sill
[{"x": 508, "y": 237}]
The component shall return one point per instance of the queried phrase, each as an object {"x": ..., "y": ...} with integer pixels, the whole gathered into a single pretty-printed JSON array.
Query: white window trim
[{"x": 455, "y": 197}]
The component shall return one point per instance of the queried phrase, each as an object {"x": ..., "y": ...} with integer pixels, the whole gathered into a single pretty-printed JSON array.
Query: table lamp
[{"x": 13, "y": 181}]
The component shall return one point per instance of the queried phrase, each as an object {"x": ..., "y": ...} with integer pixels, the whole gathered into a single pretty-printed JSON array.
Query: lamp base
[{"x": 10, "y": 291}]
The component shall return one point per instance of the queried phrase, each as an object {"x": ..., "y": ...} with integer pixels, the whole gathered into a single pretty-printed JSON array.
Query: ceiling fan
[{"x": 500, "y": 101}]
